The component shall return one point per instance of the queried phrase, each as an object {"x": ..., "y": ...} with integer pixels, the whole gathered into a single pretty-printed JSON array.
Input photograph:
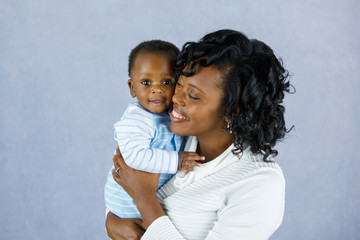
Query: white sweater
[{"x": 227, "y": 198}]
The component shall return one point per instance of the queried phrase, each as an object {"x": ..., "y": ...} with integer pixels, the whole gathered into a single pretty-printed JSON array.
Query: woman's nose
[{"x": 178, "y": 97}]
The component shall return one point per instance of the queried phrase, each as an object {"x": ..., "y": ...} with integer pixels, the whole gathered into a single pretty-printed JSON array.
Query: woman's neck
[{"x": 212, "y": 147}]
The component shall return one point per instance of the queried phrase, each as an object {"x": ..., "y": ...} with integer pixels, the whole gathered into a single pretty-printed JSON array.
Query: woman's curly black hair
[{"x": 254, "y": 85}]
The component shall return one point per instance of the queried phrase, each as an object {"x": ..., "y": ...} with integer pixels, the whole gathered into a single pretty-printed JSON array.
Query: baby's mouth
[{"x": 159, "y": 101}]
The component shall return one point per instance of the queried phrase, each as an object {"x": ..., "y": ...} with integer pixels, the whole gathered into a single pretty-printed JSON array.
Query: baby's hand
[{"x": 187, "y": 161}]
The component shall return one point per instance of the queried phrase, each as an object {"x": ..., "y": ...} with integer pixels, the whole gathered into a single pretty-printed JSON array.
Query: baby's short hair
[{"x": 154, "y": 46}]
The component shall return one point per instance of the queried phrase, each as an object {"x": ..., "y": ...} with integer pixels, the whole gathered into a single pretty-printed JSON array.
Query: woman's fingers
[
  {"x": 119, "y": 162},
  {"x": 118, "y": 150},
  {"x": 116, "y": 164},
  {"x": 116, "y": 176},
  {"x": 119, "y": 158}
]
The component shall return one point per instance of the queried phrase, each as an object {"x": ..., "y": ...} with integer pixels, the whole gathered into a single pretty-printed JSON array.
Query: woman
[{"x": 228, "y": 98}]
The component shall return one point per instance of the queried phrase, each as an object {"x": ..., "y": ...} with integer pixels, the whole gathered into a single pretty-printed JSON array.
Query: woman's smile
[{"x": 176, "y": 116}]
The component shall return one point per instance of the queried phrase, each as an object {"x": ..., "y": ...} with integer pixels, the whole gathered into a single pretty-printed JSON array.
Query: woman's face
[{"x": 197, "y": 109}]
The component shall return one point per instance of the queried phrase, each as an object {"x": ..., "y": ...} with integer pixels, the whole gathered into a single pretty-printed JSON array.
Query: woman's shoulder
[
  {"x": 252, "y": 169},
  {"x": 251, "y": 163},
  {"x": 258, "y": 164}
]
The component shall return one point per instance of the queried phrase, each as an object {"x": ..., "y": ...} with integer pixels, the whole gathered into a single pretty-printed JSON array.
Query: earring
[{"x": 229, "y": 127}]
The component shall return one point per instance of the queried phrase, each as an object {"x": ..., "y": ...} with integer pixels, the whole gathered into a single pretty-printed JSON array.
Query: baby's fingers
[
  {"x": 192, "y": 163},
  {"x": 189, "y": 165},
  {"x": 194, "y": 157}
]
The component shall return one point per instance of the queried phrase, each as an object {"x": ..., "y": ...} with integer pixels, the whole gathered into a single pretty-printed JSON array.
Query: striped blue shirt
[{"x": 146, "y": 143}]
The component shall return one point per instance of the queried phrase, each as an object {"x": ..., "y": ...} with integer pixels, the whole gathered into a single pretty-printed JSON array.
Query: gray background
[{"x": 63, "y": 73}]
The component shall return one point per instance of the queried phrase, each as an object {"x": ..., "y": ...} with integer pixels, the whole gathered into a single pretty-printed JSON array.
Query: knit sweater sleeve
[{"x": 253, "y": 209}]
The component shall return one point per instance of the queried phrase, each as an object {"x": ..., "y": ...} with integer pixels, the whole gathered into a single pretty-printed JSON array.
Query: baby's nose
[{"x": 157, "y": 89}]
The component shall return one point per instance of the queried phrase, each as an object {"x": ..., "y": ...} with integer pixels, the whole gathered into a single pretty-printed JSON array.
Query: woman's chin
[{"x": 176, "y": 129}]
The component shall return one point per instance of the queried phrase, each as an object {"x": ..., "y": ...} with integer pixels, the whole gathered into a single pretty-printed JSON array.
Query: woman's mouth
[{"x": 177, "y": 116}]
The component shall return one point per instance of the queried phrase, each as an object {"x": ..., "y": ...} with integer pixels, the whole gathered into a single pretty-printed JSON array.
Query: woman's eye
[
  {"x": 145, "y": 82},
  {"x": 192, "y": 97},
  {"x": 166, "y": 82}
]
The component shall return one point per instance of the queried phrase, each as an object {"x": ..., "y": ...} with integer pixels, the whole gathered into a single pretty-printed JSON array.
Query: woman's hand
[
  {"x": 136, "y": 183},
  {"x": 123, "y": 228},
  {"x": 141, "y": 186}
]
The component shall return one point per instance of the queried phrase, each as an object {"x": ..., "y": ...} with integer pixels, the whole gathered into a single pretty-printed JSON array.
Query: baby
[{"x": 143, "y": 133}]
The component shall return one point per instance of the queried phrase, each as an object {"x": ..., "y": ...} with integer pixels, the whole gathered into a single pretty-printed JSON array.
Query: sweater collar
[{"x": 184, "y": 178}]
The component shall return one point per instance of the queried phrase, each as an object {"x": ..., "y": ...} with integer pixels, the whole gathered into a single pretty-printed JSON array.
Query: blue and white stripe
[{"x": 146, "y": 143}]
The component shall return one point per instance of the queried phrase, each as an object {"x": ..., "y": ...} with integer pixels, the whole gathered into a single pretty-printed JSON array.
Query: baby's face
[{"x": 151, "y": 81}]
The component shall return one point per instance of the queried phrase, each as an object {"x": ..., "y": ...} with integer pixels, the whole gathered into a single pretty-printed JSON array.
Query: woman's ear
[
  {"x": 131, "y": 87},
  {"x": 227, "y": 119},
  {"x": 233, "y": 114},
  {"x": 228, "y": 124}
]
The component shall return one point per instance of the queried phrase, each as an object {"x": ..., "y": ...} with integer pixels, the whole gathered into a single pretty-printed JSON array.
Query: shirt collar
[{"x": 184, "y": 178}]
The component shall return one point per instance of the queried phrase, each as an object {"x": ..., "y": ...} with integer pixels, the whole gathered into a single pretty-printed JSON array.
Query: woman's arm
[{"x": 141, "y": 186}]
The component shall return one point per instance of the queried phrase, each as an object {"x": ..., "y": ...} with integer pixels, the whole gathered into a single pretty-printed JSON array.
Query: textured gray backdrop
[{"x": 63, "y": 73}]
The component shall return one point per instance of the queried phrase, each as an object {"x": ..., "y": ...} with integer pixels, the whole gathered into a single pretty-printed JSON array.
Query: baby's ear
[{"x": 131, "y": 87}]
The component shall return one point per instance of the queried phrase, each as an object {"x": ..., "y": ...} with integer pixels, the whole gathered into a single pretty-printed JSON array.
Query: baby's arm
[
  {"x": 188, "y": 160},
  {"x": 134, "y": 133}
]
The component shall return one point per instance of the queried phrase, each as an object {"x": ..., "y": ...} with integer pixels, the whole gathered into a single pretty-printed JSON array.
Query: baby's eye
[
  {"x": 145, "y": 82},
  {"x": 166, "y": 82}
]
